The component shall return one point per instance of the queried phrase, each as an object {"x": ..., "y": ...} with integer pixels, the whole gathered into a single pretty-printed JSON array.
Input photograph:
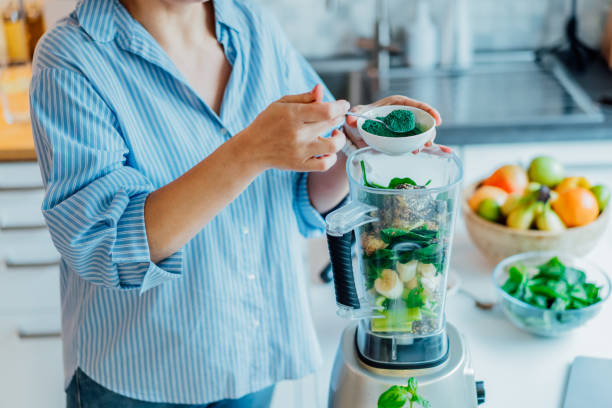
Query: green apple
[
  {"x": 546, "y": 170},
  {"x": 602, "y": 194},
  {"x": 489, "y": 209}
]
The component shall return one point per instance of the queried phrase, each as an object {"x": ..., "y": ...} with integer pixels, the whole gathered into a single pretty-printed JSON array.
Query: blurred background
[{"x": 513, "y": 79}]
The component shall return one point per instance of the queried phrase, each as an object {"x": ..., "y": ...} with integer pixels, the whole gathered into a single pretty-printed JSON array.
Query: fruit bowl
[
  {"x": 498, "y": 241},
  {"x": 548, "y": 322}
]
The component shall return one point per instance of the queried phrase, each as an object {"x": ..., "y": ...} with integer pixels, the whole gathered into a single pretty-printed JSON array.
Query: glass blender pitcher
[{"x": 402, "y": 211}]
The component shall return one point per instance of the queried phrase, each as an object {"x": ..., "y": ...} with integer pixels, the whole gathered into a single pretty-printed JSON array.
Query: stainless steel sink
[{"x": 496, "y": 92}]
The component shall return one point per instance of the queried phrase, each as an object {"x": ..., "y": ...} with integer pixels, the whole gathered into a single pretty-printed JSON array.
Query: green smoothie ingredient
[
  {"x": 401, "y": 122},
  {"x": 396, "y": 183},
  {"x": 399, "y": 395},
  {"x": 552, "y": 285}
]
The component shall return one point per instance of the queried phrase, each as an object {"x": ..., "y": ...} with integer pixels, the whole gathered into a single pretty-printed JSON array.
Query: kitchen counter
[
  {"x": 519, "y": 369},
  {"x": 16, "y": 142}
]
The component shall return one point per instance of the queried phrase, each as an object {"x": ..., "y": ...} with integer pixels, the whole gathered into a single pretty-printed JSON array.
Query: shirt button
[
  {"x": 251, "y": 276},
  {"x": 245, "y": 230}
]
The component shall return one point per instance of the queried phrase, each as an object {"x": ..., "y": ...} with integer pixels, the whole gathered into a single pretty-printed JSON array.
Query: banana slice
[
  {"x": 408, "y": 270},
  {"x": 389, "y": 284},
  {"x": 430, "y": 285},
  {"x": 426, "y": 270}
]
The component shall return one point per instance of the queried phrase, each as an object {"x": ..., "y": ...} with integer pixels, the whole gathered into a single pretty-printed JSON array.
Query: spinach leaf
[
  {"x": 365, "y": 180},
  {"x": 415, "y": 298},
  {"x": 555, "y": 286},
  {"x": 396, "y": 181}
]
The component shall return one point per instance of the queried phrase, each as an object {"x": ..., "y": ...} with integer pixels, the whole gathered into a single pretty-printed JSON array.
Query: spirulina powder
[{"x": 402, "y": 122}]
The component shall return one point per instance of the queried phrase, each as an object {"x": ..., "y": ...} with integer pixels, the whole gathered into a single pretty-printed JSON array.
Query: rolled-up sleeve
[
  {"x": 309, "y": 220},
  {"x": 94, "y": 202}
]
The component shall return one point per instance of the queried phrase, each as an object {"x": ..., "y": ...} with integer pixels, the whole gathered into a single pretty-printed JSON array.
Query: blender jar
[{"x": 402, "y": 210}]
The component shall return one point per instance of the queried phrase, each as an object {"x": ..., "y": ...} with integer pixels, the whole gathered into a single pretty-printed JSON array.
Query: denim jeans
[{"x": 83, "y": 392}]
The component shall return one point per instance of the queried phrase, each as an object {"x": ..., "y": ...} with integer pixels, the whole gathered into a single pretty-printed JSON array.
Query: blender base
[{"x": 449, "y": 385}]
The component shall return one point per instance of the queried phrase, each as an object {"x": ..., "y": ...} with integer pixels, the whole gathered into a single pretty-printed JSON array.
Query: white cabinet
[
  {"x": 31, "y": 373},
  {"x": 31, "y": 370}
]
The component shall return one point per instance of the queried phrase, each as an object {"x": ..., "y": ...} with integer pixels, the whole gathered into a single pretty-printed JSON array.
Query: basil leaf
[{"x": 394, "y": 397}]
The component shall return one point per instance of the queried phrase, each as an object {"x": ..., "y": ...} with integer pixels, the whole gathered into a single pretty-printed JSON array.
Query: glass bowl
[{"x": 546, "y": 322}]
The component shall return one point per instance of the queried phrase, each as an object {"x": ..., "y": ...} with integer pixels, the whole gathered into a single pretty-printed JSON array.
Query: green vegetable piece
[
  {"x": 415, "y": 298},
  {"x": 517, "y": 273},
  {"x": 560, "y": 304},
  {"x": 398, "y": 394},
  {"x": 396, "y": 181},
  {"x": 552, "y": 269},
  {"x": 394, "y": 397},
  {"x": 388, "y": 235},
  {"x": 574, "y": 276}
]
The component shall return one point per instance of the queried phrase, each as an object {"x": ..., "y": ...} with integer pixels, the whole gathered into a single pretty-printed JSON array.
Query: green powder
[{"x": 402, "y": 122}]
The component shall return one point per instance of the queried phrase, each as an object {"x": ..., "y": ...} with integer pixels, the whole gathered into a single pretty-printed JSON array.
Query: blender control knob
[{"x": 480, "y": 392}]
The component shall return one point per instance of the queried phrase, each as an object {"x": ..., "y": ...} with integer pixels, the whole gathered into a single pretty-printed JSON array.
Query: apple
[{"x": 546, "y": 170}]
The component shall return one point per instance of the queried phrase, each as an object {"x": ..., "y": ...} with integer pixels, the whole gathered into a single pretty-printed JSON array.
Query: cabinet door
[
  {"x": 21, "y": 208},
  {"x": 31, "y": 373},
  {"x": 20, "y": 175}
]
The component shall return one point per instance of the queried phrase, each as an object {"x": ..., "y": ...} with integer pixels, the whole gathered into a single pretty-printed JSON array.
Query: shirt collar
[
  {"x": 97, "y": 17},
  {"x": 226, "y": 14}
]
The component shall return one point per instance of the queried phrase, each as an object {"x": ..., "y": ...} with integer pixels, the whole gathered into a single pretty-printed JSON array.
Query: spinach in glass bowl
[{"x": 549, "y": 294}]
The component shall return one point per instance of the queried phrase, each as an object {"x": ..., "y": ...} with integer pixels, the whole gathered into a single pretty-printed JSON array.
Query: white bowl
[{"x": 401, "y": 144}]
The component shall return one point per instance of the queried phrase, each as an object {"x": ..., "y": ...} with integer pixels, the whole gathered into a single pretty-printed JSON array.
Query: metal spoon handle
[{"x": 358, "y": 115}]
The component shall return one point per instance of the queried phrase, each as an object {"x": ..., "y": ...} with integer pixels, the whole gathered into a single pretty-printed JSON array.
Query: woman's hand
[
  {"x": 350, "y": 127},
  {"x": 287, "y": 134}
]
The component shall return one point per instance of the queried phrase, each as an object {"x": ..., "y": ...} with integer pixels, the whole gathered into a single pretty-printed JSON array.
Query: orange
[
  {"x": 572, "y": 182},
  {"x": 576, "y": 207},
  {"x": 511, "y": 178}
]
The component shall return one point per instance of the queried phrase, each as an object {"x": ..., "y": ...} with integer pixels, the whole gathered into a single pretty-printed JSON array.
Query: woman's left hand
[{"x": 350, "y": 127}]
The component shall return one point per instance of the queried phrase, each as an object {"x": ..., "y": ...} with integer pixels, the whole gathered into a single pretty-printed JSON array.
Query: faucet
[{"x": 382, "y": 38}]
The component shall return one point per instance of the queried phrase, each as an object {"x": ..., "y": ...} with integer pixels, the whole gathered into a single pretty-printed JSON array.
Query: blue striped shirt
[{"x": 114, "y": 120}]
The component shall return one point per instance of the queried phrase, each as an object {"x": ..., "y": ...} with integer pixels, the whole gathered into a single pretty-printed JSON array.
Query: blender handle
[{"x": 342, "y": 269}]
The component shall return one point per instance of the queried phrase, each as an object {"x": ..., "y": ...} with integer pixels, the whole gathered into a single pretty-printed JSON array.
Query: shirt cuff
[
  {"x": 310, "y": 221},
  {"x": 131, "y": 252}
]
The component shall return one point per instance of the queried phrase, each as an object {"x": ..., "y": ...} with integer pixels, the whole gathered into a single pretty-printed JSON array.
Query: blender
[{"x": 402, "y": 211}]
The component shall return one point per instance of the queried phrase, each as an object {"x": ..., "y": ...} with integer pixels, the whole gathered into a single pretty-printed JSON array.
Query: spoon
[
  {"x": 481, "y": 304},
  {"x": 357, "y": 115}
]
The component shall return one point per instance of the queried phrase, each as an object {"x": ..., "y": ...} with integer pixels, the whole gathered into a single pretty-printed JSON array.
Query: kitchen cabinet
[{"x": 31, "y": 374}]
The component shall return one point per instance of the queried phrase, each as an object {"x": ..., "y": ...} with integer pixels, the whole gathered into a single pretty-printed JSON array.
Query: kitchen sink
[{"x": 498, "y": 91}]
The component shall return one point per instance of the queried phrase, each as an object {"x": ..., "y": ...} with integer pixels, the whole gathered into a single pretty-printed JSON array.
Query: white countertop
[{"x": 519, "y": 369}]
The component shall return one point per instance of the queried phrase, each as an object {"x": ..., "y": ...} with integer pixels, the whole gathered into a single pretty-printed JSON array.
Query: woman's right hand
[{"x": 286, "y": 135}]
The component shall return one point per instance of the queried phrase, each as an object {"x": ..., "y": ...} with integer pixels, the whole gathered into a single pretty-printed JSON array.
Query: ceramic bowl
[
  {"x": 498, "y": 241},
  {"x": 401, "y": 144}
]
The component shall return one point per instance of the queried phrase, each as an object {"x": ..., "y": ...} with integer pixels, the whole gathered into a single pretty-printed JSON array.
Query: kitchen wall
[{"x": 496, "y": 24}]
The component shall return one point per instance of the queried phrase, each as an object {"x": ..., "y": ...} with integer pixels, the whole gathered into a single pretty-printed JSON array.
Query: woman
[{"x": 180, "y": 147}]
